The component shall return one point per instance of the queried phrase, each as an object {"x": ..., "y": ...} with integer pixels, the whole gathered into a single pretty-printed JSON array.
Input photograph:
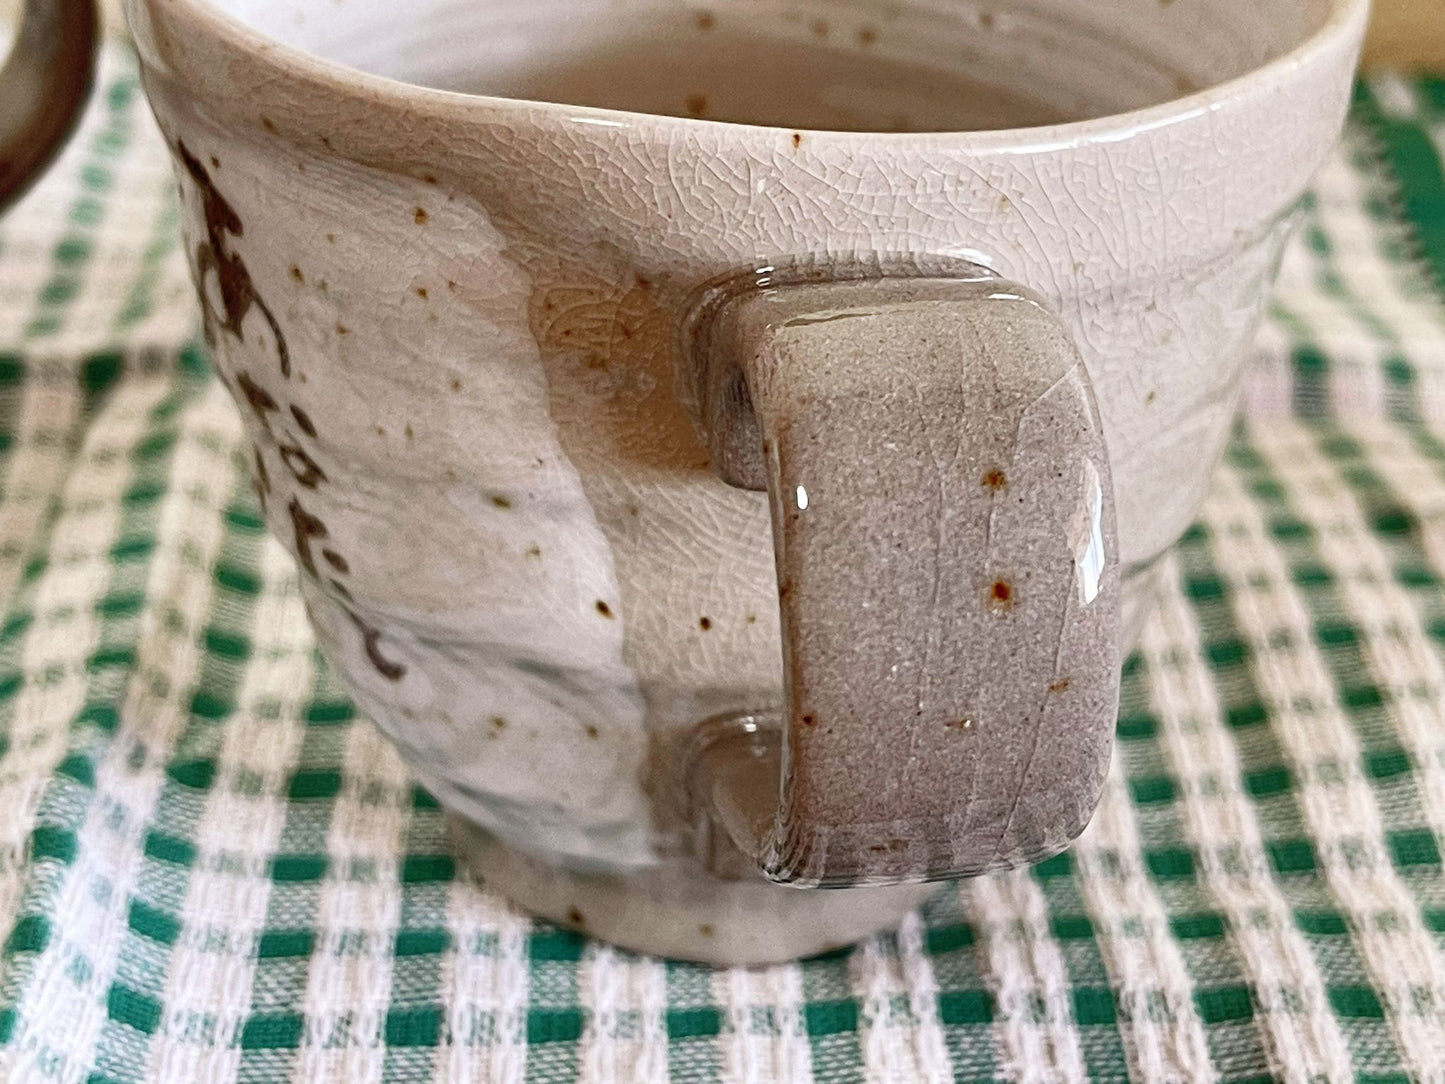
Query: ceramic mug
[{"x": 703, "y": 505}]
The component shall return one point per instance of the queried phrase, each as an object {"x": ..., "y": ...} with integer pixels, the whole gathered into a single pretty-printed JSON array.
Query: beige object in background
[{"x": 1407, "y": 34}]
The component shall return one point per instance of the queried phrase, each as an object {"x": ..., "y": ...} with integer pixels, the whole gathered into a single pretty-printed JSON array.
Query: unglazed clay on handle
[
  {"x": 947, "y": 571},
  {"x": 43, "y": 86}
]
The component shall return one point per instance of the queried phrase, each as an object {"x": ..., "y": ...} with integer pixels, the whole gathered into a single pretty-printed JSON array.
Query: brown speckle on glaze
[
  {"x": 809, "y": 720},
  {"x": 576, "y": 917},
  {"x": 534, "y": 551},
  {"x": 303, "y": 468},
  {"x": 267, "y": 124},
  {"x": 604, "y": 609},
  {"x": 696, "y": 105},
  {"x": 994, "y": 480},
  {"x": 591, "y": 731},
  {"x": 451, "y": 284},
  {"x": 1058, "y": 685},
  {"x": 380, "y": 431},
  {"x": 371, "y": 639},
  {"x": 498, "y": 723},
  {"x": 986, "y": 20},
  {"x": 215, "y": 162},
  {"x": 751, "y": 618},
  {"x": 820, "y": 28},
  {"x": 1001, "y": 595},
  {"x": 304, "y": 421},
  {"x": 331, "y": 238},
  {"x": 233, "y": 279},
  {"x": 501, "y": 502},
  {"x": 419, "y": 215},
  {"x": 421, "y": 292},
  {"x": 1149, "y": 399},
  {"x": 342, "y": 329},
  {"x": 705, "y": 20},
  {"x": 260, "y": 400},
  {"x": 263, "y": 477},
  {"x": 704, "y": 623},
  {"x": 633, "y": 510},
  {"x": 407, "y": 432},
  {"x": 705, "y": 929},
  {"x": 456, "y": 384},
  {"x": 296, "y": 273},
  {"x": 305, "y": 528},
  {"x": 430, "y": 178},
  {"x": 797, "y": 140},
  {"x": 867, "y": 36},
  {"x": 960, "y": 724}
]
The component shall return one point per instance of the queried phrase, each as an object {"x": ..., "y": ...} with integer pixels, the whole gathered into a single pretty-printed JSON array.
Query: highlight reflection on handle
[{"x": 943, "y": 525}]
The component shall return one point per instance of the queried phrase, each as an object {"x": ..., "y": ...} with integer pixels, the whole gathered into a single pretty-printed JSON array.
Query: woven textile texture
[{"x": 211, "y": 869}]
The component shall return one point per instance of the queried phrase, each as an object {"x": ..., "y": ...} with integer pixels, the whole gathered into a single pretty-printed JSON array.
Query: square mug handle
[{"x": 948, "y": 580}]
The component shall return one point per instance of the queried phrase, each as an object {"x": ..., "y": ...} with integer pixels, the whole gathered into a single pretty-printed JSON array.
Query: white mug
[{"x": 700, "y": 505}]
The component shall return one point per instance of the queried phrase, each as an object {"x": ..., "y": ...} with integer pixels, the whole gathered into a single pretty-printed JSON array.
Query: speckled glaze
[
  {"x": 944, "y": 529},
  {"x": 451, "y": 323}
]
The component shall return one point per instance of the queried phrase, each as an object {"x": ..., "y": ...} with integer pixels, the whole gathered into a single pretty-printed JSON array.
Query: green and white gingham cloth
[{"x": 211, "y": 869}]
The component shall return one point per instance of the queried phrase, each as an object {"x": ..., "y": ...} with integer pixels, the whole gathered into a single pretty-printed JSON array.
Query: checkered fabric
[{"x": 211, "y": 869}]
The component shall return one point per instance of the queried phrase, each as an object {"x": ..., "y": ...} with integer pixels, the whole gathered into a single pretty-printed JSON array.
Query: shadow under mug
[{"x": 786, "y": 524}]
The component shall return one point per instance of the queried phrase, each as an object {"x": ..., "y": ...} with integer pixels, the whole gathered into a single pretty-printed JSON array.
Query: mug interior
[{"x": 914, "y": 65}]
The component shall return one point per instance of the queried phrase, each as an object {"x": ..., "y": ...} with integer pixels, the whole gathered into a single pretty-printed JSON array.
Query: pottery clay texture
[
  {"x": 947, "y": 563},
  {"x": 513, "y": 542}
]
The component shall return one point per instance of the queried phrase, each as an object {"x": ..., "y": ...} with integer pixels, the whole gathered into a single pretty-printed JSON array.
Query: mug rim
[{"x": 1342, "y": 29}]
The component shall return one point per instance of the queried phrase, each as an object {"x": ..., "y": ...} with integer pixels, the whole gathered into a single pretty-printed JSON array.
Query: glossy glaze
[
  {"x": 947, "y": 562},
  {"x": 515, "y": 548}
]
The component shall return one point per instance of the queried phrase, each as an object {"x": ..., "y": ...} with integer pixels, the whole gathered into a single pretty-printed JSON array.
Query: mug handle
[
  {"x": 948, "y": 579},
  {"x": 44, "y": 85}
]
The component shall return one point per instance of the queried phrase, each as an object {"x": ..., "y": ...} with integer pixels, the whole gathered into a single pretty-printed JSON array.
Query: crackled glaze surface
[
  {"x": 512, "y": 540},
  {"x": 944, "y": 531}
]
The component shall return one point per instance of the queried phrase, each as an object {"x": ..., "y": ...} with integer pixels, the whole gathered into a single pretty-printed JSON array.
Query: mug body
[{"x": 451, "y": 325}]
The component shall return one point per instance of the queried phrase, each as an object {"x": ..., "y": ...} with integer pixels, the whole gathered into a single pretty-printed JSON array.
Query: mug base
[
  {"x": 676, "y": 910},
  {"x": 679, "y": 911}
]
